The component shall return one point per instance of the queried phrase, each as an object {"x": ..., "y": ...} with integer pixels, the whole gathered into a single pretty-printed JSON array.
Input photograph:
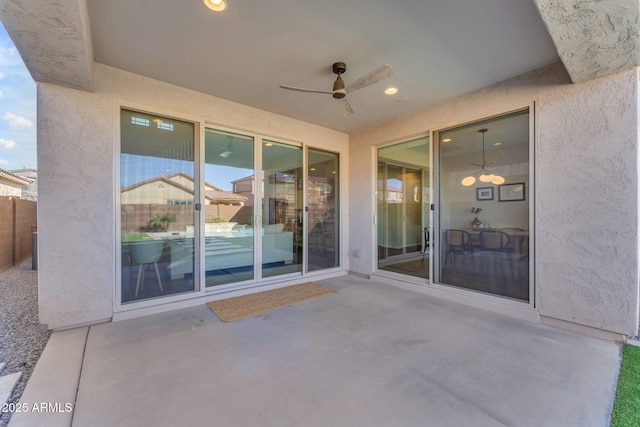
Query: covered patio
[{"x": 371, "y": 354}]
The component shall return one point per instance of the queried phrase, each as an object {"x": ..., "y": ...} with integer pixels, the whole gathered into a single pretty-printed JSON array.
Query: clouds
[
  {"x": 9, "y": 56},
  {"x": 18, "y": 122},
  {"x": 18, "y": 134},
  {"x": 7, "y": 144}
]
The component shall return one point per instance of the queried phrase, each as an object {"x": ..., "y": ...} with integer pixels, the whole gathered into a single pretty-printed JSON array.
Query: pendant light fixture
[
  {"x": 485, "y": 175},
  {"x": 216, "y": 5}
]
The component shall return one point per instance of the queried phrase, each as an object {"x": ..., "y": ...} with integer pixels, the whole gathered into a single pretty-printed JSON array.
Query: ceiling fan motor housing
[{"x": 338, "y": 86}]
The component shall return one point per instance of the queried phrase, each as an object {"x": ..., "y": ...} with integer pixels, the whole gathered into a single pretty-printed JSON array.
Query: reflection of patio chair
[{"x": 143, "y": 253}]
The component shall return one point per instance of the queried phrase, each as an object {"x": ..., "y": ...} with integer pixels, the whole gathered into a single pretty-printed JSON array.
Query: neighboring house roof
[
  {"x": 13, "y": 178},
  {"x": 216, "y": 194},
  {"x": 28, "y": 172}
]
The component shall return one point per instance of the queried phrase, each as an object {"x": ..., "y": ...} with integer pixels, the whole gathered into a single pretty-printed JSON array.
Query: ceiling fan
[
  {"x": 340, "y": 90},
  {"x": 228, "y": 150}
]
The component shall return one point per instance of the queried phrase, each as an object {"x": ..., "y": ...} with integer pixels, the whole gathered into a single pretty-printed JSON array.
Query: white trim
[
  {"x": 532, "y": 204},
  {"x": 117, "y": 209},
  {"x": 258, "y": 201},
  {"x": 473, "y": 299},
  {"x": 305, "y": 209}
]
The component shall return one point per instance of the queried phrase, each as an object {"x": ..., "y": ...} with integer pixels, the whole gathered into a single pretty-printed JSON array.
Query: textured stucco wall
[
  {"x": 75, "y": 244},
  {"x": 76, "y": 209},
  {"x": 593, "y": 38},
  {"x": 586, "y": 194}
]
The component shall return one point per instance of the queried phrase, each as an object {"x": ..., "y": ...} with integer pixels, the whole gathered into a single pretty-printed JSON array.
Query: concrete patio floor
[{"x": 369, "y": 355}]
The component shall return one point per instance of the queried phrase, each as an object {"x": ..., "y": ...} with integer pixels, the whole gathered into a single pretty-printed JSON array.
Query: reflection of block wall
[
  {"x": 239, "y": 214},
  {"x": 134, "y": 217}
]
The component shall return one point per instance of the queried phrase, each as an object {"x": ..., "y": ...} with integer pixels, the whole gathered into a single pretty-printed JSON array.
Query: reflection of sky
[
  {"x": 394, "y": 183},
  {"x": 222, "y": 176},
  {"x": 141, "y": 168}
]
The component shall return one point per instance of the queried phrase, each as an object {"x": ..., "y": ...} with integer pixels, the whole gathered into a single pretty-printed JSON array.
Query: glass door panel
[
  {"x": 282, "y": 217},
  {"x": 323, "y": 200},
  {"x": 484, "y": 208},
  {"x": 403, "y": 208},
  {"x": 157, "y": 206},
  {"x": 229, "y": 191}
]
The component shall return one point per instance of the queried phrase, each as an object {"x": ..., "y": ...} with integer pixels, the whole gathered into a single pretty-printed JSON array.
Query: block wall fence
[{"x": 17, "y": 217}]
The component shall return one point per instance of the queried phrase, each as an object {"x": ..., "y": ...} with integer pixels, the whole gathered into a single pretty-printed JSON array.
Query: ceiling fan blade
[
  {"x": 347, "y": 109},
  {"x": 300, "y": 89},
  {"x": 380, "y": 73}
]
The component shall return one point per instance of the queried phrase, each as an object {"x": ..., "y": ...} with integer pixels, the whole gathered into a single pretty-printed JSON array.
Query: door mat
[{"x": 236, "y": 308}]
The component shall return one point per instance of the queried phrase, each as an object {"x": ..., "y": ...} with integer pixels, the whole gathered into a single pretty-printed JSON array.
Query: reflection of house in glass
[
  {"x": 176, "y": 189},
  {"x": 392, "y": 194},
  {"x": 174, "y": 195}
]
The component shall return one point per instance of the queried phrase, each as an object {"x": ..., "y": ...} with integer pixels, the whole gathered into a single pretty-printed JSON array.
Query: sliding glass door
[
  {"x": 234, "y": 214},
  {"x": 484, "y": 206},
  {"x": 229, "y": 191},
  {"x": 282, "y": 208},
  {"x": 403, "y": 199},
  {"x": 323, "y": 199},
  {"x": 157, "y": 215}
]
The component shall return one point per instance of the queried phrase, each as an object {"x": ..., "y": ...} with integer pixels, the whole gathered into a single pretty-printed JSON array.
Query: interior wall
[
  {"x": 586, "y": 188},
  {"x": 494, "y": 213},
  {"x": 76, "y": 165}
]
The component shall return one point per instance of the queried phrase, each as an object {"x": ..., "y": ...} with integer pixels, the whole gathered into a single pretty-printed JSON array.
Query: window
[{"x": 139, "y": 121}]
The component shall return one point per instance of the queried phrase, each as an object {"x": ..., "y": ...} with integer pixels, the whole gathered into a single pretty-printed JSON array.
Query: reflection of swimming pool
[
  {"x": 229, "y": 249},
  {"x": 245, "y": 232}
]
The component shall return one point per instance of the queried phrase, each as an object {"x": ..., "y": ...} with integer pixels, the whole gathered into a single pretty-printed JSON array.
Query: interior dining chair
[
  {"x": 495, "y": 250},
  {"x": 494, "y": 240},
  {"x": 145, "y": 253},
  {"x": 427, "y": 243},
  {"x": 512, "y": 242},
  {"x": 457, "y": 242}
]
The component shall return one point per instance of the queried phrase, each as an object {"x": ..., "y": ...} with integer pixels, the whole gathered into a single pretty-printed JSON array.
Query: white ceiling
[{"x": 438, "y": 49}]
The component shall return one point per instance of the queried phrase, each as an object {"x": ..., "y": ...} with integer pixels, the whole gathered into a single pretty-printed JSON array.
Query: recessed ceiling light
[
  {"x": 391, "y": 90},
  {"x": 268, "y": 144},
  {"x": 446, "y": 140},
  {"x": 217, "y": 5},
  {"x": 497, "y": 143},
  {"x": 312, "y": 169}
]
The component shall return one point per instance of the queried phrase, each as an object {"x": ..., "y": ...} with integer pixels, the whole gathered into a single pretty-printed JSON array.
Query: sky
[{"x": 17, "y": 109}]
